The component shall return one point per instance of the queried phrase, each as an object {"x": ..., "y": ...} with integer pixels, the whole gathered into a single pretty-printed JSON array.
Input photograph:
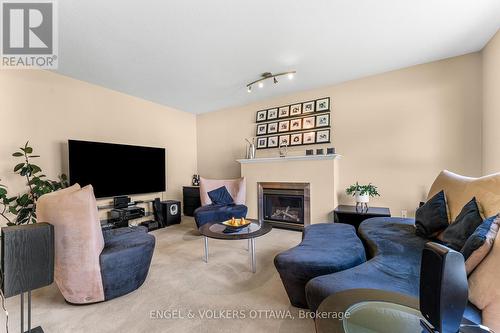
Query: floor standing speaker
[
  {"x": 27, "y": 262},
  {"x": 443, "y": 288},
  {"x": 171, "y": 211}
]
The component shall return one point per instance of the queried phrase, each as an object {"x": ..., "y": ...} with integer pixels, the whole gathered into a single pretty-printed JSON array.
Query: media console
[
  {"x": 120, "y": 216},
  {"x": 123, "y": 211}
]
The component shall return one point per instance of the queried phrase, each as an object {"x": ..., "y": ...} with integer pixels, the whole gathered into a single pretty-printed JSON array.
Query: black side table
[
  {"x": 191, "y": 199},
  {"x": 350, "y": 215}
]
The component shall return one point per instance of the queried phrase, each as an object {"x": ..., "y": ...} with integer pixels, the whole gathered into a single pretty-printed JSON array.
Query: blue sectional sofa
[{"x": 394, "y": 255}]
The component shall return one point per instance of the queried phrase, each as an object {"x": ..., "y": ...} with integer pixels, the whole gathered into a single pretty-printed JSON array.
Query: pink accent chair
[{"x": 209, "y": 212}]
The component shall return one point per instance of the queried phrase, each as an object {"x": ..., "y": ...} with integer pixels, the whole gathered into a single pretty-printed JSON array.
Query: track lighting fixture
[{"x": 268, "y": 75}]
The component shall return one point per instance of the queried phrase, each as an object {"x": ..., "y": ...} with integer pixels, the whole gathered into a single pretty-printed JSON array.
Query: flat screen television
[{"x": 116, "y": 169}]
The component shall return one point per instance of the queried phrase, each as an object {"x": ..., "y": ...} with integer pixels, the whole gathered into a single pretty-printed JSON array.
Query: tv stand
[{"x": 120, "y": 217}]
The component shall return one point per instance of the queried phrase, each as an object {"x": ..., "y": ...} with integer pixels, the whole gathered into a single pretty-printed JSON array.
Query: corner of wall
[{"x": 490, "y": 105}]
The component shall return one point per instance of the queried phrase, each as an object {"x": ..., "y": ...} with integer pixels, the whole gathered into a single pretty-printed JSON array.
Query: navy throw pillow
[
  {"x": 220, "y": 196},
  {"x": 432, "y": 217},
  {"x": 464, "y": 226},
  {"x": 478, "y": 237}
]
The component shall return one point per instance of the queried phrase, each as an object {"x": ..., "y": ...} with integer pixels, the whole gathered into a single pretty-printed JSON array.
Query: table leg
[
  {"x": 205, "y": 259},
  {"x": 248, "y": 244},
  {"x": 252, "y": 254}
]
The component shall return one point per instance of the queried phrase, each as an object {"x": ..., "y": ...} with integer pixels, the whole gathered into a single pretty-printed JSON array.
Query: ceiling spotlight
[{"x": 269, "y": 75}]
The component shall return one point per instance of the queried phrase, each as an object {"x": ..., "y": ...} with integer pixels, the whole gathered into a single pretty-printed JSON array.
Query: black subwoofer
[
  {"x": 443, "y": 287},
  {"x": 167, "y": 212}
]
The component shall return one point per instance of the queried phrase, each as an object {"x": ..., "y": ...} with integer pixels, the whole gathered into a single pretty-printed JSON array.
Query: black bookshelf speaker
[
  {"x": 443, "y": 287},
  {"x": 27, "y": 257}
]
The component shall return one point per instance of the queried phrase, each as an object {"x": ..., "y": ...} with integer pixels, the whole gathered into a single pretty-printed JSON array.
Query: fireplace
[{"x": 285, "y": 205}]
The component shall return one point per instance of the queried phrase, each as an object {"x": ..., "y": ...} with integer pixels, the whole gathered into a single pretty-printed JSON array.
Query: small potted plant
[{"x": 362, "y": 193}]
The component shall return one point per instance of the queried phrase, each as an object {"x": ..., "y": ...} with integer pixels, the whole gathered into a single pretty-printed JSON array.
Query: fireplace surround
[
  {"x": 321, "y": 172},
  {"x": 284, "y": 204}
]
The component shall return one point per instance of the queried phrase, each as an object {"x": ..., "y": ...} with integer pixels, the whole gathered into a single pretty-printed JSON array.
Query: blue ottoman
[
  {"x": 218, "y": 213},
  {"x": 325, "y": 248}
]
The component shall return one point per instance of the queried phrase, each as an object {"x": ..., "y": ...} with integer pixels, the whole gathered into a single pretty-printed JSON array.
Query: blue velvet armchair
[{"x": 210, "y": 212}]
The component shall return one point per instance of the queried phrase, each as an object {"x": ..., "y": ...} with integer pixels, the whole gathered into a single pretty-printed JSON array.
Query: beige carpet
[{"x": 180, "y": 281}]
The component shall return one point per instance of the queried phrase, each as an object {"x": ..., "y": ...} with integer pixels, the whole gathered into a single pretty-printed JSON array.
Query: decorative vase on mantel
[{"x": 250, "y": 149}]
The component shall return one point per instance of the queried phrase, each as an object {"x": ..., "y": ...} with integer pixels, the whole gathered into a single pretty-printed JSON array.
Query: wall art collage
[{"x": 298, "y": 124}]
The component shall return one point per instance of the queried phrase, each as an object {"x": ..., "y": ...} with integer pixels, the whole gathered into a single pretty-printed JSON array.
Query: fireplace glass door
[{"x": 284, "y": 206}]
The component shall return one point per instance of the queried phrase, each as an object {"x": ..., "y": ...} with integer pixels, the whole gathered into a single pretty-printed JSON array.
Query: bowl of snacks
[{"x": 236, "y": 224}]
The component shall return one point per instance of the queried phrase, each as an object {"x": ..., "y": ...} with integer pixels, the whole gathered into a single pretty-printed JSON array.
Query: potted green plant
[
  {"x": 23, "y": 206},
  {"x": 362, "y": 193}
]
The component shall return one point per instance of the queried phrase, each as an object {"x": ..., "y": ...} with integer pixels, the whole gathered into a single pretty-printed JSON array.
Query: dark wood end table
[
  {"x": 190, "y": 199},
  {"x": 354, "y": 216}
]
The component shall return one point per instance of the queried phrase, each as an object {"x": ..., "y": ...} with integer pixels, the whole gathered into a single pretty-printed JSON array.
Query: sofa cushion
[
  {"x": 326, "y": 248},
  {"x": 218, "y": 213},
  {"x": 432, "y": 217},
  {"x": 78, "y": 242},
  {"x": 460, "y": 189},
  {"x": 484, "y": 289},
  {"x": 220, "y": 196},
  {"x": 479, "y": 244},
  {"x": 464, "y": 226}
]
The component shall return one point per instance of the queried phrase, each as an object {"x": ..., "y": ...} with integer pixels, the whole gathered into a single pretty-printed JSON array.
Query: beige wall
[
  {"x": 397, "y": 129},
  {"x": 491, "y": 106},
  {"x": 48, "y": 109}
]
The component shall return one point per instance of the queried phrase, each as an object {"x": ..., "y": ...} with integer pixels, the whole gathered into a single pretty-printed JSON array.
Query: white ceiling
[{"x": 198, "y": 55}]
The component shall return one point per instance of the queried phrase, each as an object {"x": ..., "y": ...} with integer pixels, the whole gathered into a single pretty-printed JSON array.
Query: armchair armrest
[{"x": 111, "y": 233}]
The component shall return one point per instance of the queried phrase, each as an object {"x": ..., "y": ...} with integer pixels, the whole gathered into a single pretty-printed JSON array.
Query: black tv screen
[{"x": 115, "y": 169}]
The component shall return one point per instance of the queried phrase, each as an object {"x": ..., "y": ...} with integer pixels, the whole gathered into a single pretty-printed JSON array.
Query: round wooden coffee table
[{"x": 216, "y": 230}]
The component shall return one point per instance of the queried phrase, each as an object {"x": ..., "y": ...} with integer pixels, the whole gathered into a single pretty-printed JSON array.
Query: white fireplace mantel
[
  {"x": 289, "y": 158},
  {"x": 319, "y": 171}
]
